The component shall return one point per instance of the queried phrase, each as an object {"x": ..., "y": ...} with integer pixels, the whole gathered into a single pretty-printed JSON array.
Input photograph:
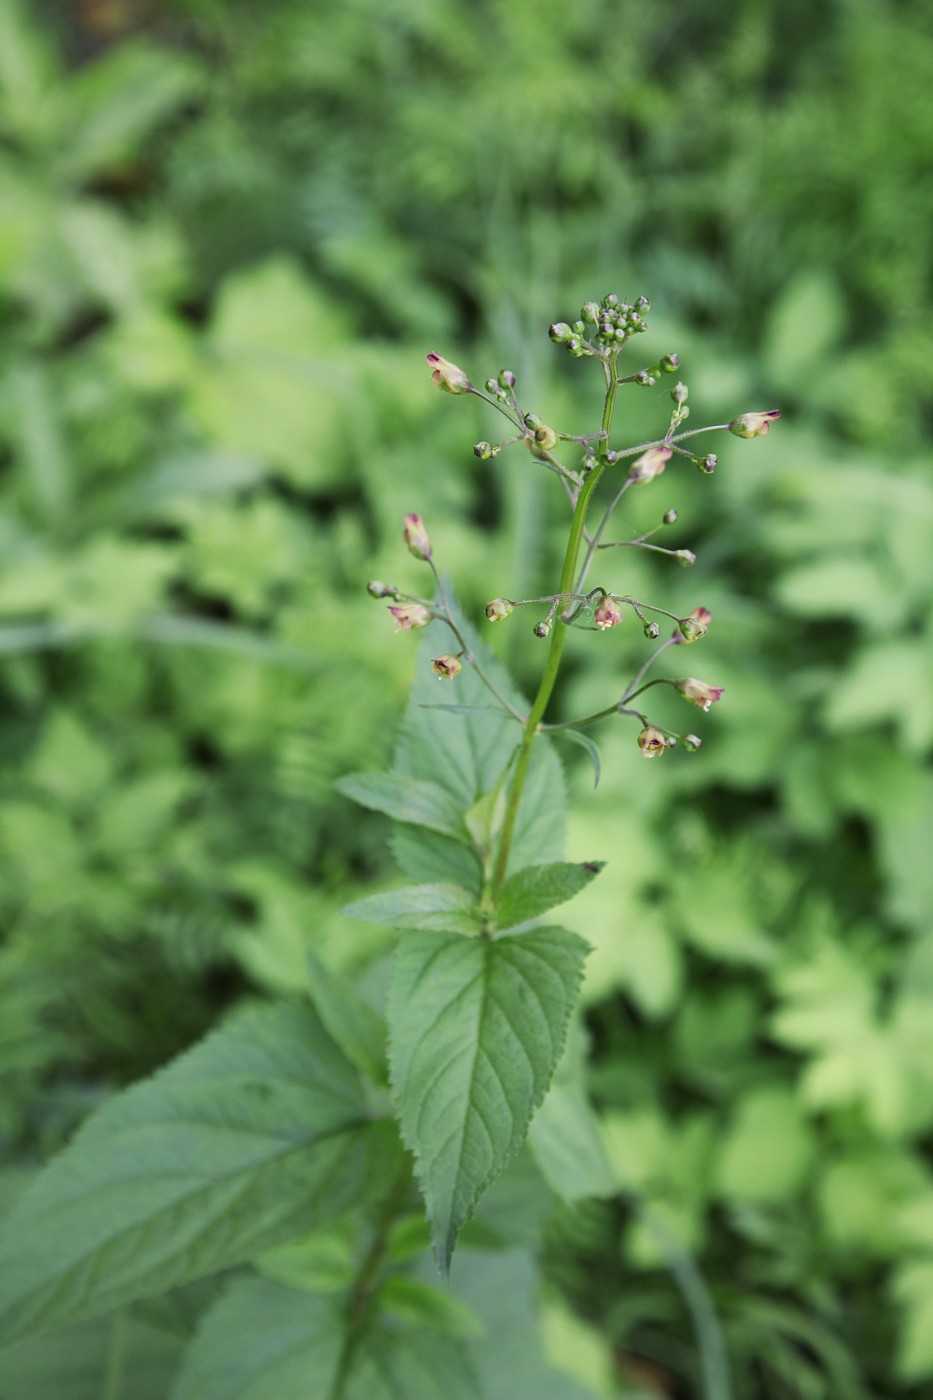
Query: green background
[{"x": 228, "y": 236}]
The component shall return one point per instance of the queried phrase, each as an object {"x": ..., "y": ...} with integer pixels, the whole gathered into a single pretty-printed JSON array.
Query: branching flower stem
[
  {"x": 558, "y": 637},
  {"x": 448, "y": 617}
]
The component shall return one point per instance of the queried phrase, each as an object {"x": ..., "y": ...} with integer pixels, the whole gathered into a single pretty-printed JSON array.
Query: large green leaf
[
  {"x": 241, "y": 1143},
  {"x": 476, "y": 1028},
  {"x": 267, "y": 1342},
  {"x": 406, "y": 800}
]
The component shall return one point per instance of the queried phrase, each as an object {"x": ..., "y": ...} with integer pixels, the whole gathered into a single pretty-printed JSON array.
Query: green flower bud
[
  {"x": 652, "y": 631},
  {"x": 707, "y": 465},
  {"x": 499, "y": 608},
  {"x": 546, "y": 437},
  {"x": 695, "y": 626},
  {"x": 679, "y": 393},
  {"x": 669, "y": 517},
  {"x": 685, "y": 557},
  {"x": 559, "y": 332},
  {"x": 507, "y": 379},
  {"x": 590, "y": 312},
  {"x": 542, "y": 629},
  {"x": 669, "y": 363},
  {"x": 690, "y": 742}
]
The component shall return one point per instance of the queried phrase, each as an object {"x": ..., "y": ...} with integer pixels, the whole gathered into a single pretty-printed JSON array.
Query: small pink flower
[
  {"x": 651, "y": 742},
  {"x": 416, "y": 537},
  {"x": 446, "y": 667},
  {"x": 649, "y": 465},
  {"x": 749, "y": 425},
  {"x": 410, "y": 616},
  {"x": 447, "y": 376},
  {"x": 695, "y": 626},
  {"x": 698, "y": 692},
  {"x": 608, "y": 614}
]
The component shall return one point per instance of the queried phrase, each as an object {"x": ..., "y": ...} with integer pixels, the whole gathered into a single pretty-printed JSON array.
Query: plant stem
[
  {"x": 448, "y": 618},
  {"x": 558, "y": 636}
]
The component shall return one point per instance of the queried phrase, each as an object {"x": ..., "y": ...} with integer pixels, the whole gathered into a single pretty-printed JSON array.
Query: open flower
[
  {"x": 416, "y": 537},
  {"x": 695, "y": 626},
  {"x": 411, "y": 615},
  {"x": 447, "y": 376},
  {"x": 698, "y": 692},
  {"x": 649, "y": 465},
  {"x": 749, "y": 425},
  {"x": 446, "y": 667},
  {"x": 651, "y": 742},
  {"x": 607, "y": 614}
]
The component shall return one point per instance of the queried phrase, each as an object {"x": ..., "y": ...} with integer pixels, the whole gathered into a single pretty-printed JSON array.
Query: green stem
[{"x": 558, "y": 637}]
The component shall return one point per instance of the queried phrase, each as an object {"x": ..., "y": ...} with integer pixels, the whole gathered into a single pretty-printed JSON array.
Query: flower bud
[
  {"x": 679, "y": 393},
  {"x": 376, "y": 589},
  {"x": 559, "y": 332},
  {"x": 542, "y": 629},
  {"x": 498, "y": 609},
  {"x": 690, "y": 742},
  {"x": 507, "y": 379},
  {"x": 652, "y": 631},
  {"x": 483, "y": 450},
  {"x": 695, "y": 626},
  {"x": 670, "y": 362},
  {"x": 669, "y": 516},
  {"x": 708, "y": 464},
  {"x": 649, "y": 465},
  {"x": 686, "y": 557},
  {"x": 416, "y": 537},
  {"x": 410, "y": 616},
  {"x": 698, "y": 692},
  {"x": 643, "y": 304},
  {"x": 590, "y": 312},
  {"x": 546, "y": 437},
  {"x": 492, "y": 386},
  {"x": 608, "y": 614},
  {"x": 446, "y": 667},
  {"x": 447, "y": 376},
  {"x": 749, "y": 425},
  {"x": 651, "y": 742}
]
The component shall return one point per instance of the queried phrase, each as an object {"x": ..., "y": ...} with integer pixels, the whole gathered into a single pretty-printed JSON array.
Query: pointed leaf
[
  {"x": 238, "y": 1145},
  {"x": 349, "y": 1020},
  {"x": 476, "y": 1027},
  {"x": 576, "y": 736},
  {"x": 441, "y": 906},
  {"x": 266, "y": 1342},
  {"x": 538, "y": 888},
  {"x": 465, "y": 754},
  {"x": 406, "y": 800}
]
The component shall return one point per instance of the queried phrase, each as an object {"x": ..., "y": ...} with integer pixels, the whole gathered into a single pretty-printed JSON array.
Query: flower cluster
[{"x": 602, "y": 331}]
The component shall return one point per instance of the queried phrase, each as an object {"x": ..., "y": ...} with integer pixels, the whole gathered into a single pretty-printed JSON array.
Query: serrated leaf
[
  {"x": 240, "y": 1144},
  {"x": 351, "y": 1022},
  {"x": 538, "y": 888},
  {"x": 406, "y": 800},
  {"x": 447, "y": 907},
  {"x": 266, "y": 1342},
  {"x": 576, "y": 736},
  {"x": 476, "y": 1028}
]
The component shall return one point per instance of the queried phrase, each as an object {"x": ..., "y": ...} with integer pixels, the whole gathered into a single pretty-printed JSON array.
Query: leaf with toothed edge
[
  {"x": 476, "y": 1029},
  {"x": 537, "y": 888}
]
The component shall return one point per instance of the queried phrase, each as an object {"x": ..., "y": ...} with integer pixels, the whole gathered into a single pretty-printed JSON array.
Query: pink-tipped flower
[
  {"x": 649, "y": 465},
  {"x": 608, "y": 614},
  {"x": 749, "y": 425},
  {"x": 446, "y": 667},
  {"x": 416, "y": 537},
  {"x": 410, "y": 616},
  {"x": 499, "y": 608},
  {"x": 698, "y": 692},
  {"x": 695, "y": 626},
  {"x": 447, "y": 376},
  {"x": 651, "y": 742}
]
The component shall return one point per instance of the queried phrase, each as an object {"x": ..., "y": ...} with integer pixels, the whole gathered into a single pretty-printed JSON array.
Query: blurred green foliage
[{"x": 229, "y": 233}]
